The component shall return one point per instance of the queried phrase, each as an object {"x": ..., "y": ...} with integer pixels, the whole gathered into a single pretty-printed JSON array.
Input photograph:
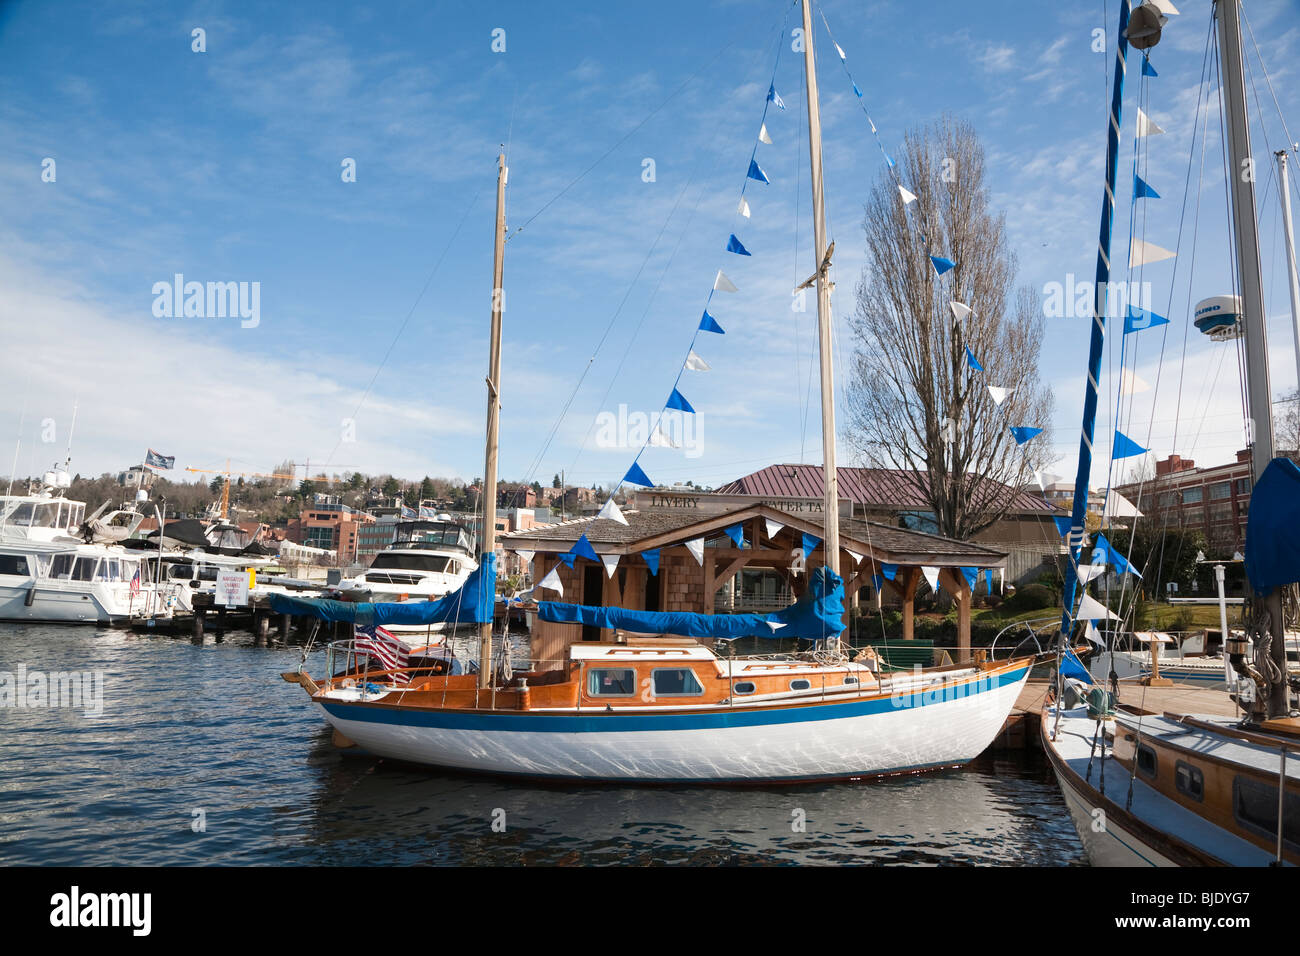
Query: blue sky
[{"x": 225, "y": 166}]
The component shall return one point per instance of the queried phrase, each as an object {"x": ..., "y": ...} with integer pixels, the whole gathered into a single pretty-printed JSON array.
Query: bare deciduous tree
[{"x": 913, "y": 403}]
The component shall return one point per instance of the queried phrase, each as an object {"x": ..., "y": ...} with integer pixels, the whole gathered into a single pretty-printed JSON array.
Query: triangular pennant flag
[
  {"x": 972, "y": 576},
  {"x": 582, "y": 548},
  {"x": 999, "y": 394},
  {"x": 908, "y": 196},
  {"x": 1142, "y": 189},
  {"x": 743, "y": 209},
  {"x": 858, "y": 92},
  {"x": 610, "y": 511},
  {"x": 1062, "y": 524},
  {"x": 552, "y": 581},
  {"x": 1089, "y": 572},
  {"x": 1138, "y": 319},
  {"x": 1164, "y": 6},
  {"x": 678, "y": 401},
  {"x": 942, "y": 265},
  {"x": 960, "y": 310},
  {"x": 1090, "y": 632},
  {"x": 762, "y": 135},
  {"x": 857, "y": 558},
  {"x": 696, "y": 547},
  {"x": 773, "y": 528},
  {"x": 890, "y": 571},
  {"x": 636, "y": 476},
  {"x": 611, "y": 564},
  {"x": 775, "y": 625},
  {"x": 756, "y": 172},
  {"x": 1022, "y": 433},
  {"x": 709, "y": 324},
  {"x": 810, "y": 542},
  {"x": 723, "y": 284},
  {"x": 696, "y": 364},
  {"x": 1146, "y": 126},
  {"x": 661, "y": 439},
  {"x": 1071, "y": 666},
  {"x": 733, "y": 245},
  {"x": 988, "y": 580},
  {"x": 840, "y": 50},
  {"x": 651, "y": 558},
  {"x": 931, "y": 576},
  {"x": 971, "y": 361},
  {"x": 1141, "y": 253},
  {"x": 1038, "y": 477},
  {"x": 526, "y": 556},
  {"x": 878, "y": 582},
  {"x": 737, "y": 535},
  {"x": 1147, "y": 68},
  {"x": 889, "y": 160},
  {"x": 1090, "y": 609},
  {"x": 1125, "y": 447},
  {"x": 775, "y": 97},
  {"x": 1130, "y": 383},
  {"x": 568, "y": 558}
]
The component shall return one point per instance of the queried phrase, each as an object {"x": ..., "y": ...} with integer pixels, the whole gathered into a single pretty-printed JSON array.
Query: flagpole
[{"x": 821, "y": 260}]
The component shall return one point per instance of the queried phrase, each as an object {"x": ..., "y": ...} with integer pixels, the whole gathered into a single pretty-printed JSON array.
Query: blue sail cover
[
  {"x": 818, "y": 615},
  {"x": 472, "y": 603},
  {"x": 1273, "y": 528}
]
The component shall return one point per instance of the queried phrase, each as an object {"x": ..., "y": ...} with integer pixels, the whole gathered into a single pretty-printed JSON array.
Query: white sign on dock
[{"x": 232, "y": 588}]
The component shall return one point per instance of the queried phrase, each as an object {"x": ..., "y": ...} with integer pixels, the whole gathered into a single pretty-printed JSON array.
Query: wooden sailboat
[
  {"x": 667, "y": 708},
  {"x": 1170, "y": 789}
]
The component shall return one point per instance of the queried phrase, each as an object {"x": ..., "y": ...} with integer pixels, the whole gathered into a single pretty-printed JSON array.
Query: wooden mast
[
  {"x": 821, "y": 256},
  {"x": 488, "y": 542}
]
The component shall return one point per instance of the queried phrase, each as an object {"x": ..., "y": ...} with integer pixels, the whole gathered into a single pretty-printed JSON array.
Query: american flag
[
  {"x": 383, "y": 646},
  {"x": 135, "y": 582}
]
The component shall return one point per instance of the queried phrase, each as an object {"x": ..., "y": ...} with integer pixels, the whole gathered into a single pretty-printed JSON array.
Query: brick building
[
  {"x": 1215, "y": 500},
  {"x": 331, "y": 526}
]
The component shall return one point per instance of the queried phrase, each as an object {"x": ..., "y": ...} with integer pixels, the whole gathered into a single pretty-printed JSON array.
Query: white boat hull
[
  {"x": 59, "y": 605},
  {"x": 1108, "y": 843},
  {"x": 857, "y": 738}
]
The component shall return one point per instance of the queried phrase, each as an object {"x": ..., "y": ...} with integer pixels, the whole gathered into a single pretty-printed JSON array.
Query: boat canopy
[
  {"x": 1272, "y": 542},
  {"x": 471, "y": 603},
  {"x": 816, "y": 616}
]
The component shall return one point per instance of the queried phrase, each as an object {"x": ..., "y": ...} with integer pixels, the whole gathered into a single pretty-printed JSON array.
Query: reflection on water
[{"x": 203, "y": 755}]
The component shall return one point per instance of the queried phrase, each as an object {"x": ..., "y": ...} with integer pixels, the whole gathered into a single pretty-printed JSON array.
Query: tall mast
[
  {"x": 1284, "y": 192},
  {"x": 1251, "y": 287},
  {"x": 821, "y": 256},
  {"x": 489, "y": 540}
]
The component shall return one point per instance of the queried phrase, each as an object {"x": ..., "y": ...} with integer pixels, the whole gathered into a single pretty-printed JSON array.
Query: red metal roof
[{"x": 869, "y": 487}]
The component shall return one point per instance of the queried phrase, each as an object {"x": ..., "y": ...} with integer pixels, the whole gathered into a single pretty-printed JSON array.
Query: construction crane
[{"x": 225, "y": 490}]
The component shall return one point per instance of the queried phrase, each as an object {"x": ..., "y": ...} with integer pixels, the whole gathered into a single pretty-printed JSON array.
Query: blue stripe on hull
[{"x": 621, "y": 723}]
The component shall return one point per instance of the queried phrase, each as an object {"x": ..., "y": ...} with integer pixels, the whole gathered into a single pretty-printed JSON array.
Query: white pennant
[
  {"x": 695, "y": 363},
  {"x": 526, "y": 556},
  {"x": 763, "y": 137},
  {"x": 773, "y": 528},
  {"x": 723, "y": 284},
  {"x": 999, "y": 395},
  {"x": 1038, "y": 477},
  {"x": 661, "y": 439},
  {"x": 1146, "y": 126},
  {"x": 743, "y": 209},
  {"x": 1130, "y": 383},
  {"x": 857, "y": 558},
  {"x": 1089, "y": 572},
  {"x": 552, "y": 581},
  {"x": 931, "y": 576},
  {"x": 611, "y": 512},
  {"x": 611, "y": 564},
  {"x": 840, "y": 50},
  {"x": 960, "y": 310},
  {"x": 908, "y": 197},
  {"x": 1090, "y": 609},
  {"x": 1090, "y": 632},
  {"x": 1143, "y": 252},
  {"x": 696, "y": 547},
  {"x": 774, "y": 624}
]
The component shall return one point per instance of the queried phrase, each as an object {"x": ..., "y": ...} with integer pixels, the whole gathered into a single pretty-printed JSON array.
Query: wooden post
[
  {"x": 285, "y": 624},
  {"x": 709, "y": 588},
  {"x": 199, "y": 614},
  {"x": 955, "y": 582},
  {"x": 261, "y": 626},
  {"x": 911, "y": 577}
]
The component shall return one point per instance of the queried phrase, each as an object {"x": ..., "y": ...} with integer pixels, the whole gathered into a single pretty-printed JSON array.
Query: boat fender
[{"x": 31, "y": 597}]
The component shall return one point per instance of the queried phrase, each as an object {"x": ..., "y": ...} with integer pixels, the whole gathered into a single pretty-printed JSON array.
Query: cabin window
[
  {"x": 744, "y": 687},
  {"x": 62, "y": 567},
  {"x": 850, "y": 680},
  {"x": 13, "y": 564},
  {"x": 611, "y": 682},
  {"x": 800, "y": 684},
  {"x": 1254, "y": 804},
  {"x": 84, "y": 569},
  {"x": 1146, "y": 760},
  {"x": 676, "y": 682},
  {"x": 1189, "y": 780}
]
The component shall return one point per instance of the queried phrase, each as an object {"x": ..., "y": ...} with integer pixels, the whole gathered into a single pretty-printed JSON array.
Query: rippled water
[{"x": 214, "y": 729}]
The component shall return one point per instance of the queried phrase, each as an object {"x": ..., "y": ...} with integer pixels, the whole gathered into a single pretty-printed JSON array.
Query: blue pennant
[
  {"x": 1142, "y": 189},
  {"x": 1138, "y": 319},
  {"x": 737, "y": 535},
  {"x": 889, "y": 161},
  {"x": 1104, "y": 553},
  {"x": 638, "y": 477},
  {"x": 1147, "y": 68},
  {"x": 988, "y": 580},
  {"x": 970, "y": 360},
  {"x": 857, "y": 91},
  {"x": 710, "y": 324},
  {"x": 878, "y": 581},
  {"x": 810, "y": 542},
  {"x": 583, "y": 549},
  {"x": 678, "y": 401},
  {"x": 941, "y": 265},
  {"x": 733, "y": 245},
  {"x": 568, "y": 558},
  {"x": 774, "y": 97},
  {"x": 972, "y": 576},
  {"x": 1022, "y": 433},
  {"x": 756, "y": 172},
  {"x": 890, "y": 571},
  {"x": 1071, "y": 667},
  {"x": 1062, "y": 525},
  {"x": 652, "y": 560},
  {"x": 1125, "y": 447}
]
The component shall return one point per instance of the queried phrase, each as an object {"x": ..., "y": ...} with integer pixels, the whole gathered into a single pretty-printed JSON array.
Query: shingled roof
[{"x": 867, "y": 487}]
